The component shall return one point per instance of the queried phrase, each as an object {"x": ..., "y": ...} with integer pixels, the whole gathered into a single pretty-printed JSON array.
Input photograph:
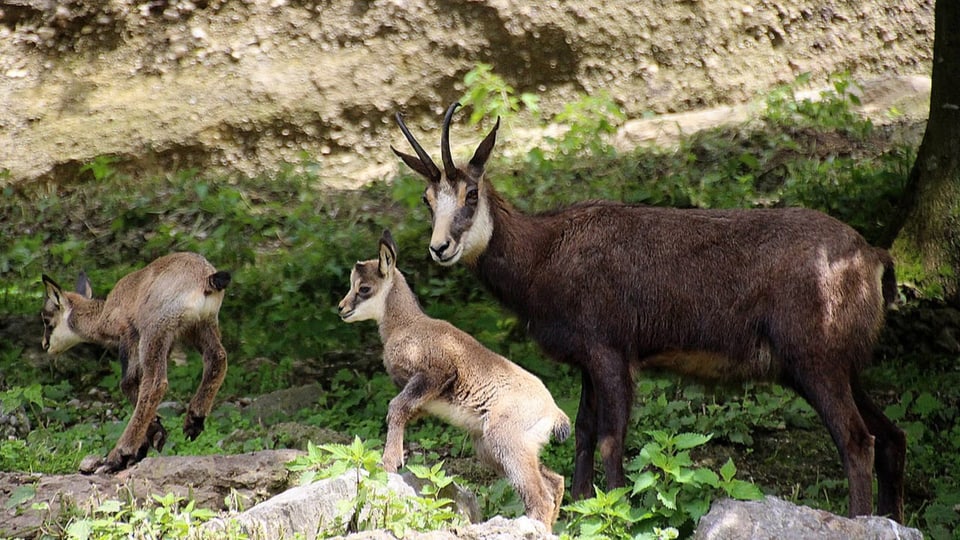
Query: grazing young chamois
[
  {"x": 444, "y": 371},
  {"x": 786, "y": 295},
  {"x": 176, "y": 297}
]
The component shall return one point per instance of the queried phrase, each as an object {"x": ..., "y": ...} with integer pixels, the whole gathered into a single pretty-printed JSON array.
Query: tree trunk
[{"x": 927, "y": 247}]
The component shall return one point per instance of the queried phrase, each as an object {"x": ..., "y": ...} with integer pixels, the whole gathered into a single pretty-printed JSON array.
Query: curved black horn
[
  {"x": 448, "y": 167},
  {"x": 421, "y": 153}
]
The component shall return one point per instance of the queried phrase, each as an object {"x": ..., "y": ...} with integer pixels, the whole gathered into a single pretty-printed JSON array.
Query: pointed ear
[
  {"x": 53, "y": 290},
  {"x": 388, "y": 254},
  {"x": 480, "y": 156},
  {"x": 83, "y": 286},
  {"x": 418, "y": 166}
]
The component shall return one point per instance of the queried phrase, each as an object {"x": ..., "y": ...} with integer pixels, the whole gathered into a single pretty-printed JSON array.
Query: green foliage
[
  {"x": 291, "y": 244},
  {"x": 833, "y": 111},
  {"x": 375, "y": 506},
  {"x": 170, "y": 516},
  {"x": 673, "y": 404},
  {"x": 668, "y": 497},
  {"x": 101, "y": 167},
  {"x": 490, "y": 97}
]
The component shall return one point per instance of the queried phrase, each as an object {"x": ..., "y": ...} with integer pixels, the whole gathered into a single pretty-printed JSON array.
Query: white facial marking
[
  {"x": 475, "y": 240},
  {"x": 372, "y": 308},
  {"x": 445, "y": 207},
  {"x": 63, "y": 337}
]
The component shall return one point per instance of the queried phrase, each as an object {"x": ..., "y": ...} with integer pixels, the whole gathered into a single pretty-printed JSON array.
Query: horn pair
[{"x": 448, "y": 166}]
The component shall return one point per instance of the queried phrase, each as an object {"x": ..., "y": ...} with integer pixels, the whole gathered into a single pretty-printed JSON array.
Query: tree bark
[{"x": 927, "y": 247}]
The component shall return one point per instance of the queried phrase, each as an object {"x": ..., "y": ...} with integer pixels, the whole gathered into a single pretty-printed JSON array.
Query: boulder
[
  {"x": 209, "y": 480},
  {"x": 306, "y": 509},
  {"x": 775, "y": 519}
]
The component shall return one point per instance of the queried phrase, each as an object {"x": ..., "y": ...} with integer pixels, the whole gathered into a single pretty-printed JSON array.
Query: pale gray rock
[
  {"x": 306, "y": 509},
  {"x": 775, "y": 519},
  {"x": 209, "y": 480}
]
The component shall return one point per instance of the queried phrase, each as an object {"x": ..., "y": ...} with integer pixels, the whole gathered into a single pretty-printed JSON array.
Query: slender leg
[
  {"x": 153, "y": 353},
  {"x": 420, "y": 389},
  {"x": 833, "y": 400},
  {"x": 613, "y": 390},
  {"x": 891, "y": 449},
  {"x": 206, "y": 338},
  {"x": 586, "y": 440}
]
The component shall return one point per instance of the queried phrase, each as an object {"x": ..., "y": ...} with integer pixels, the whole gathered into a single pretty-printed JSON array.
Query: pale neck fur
[
  {"x": 86, "y": 320},
  {"x": 401, "y": 307}
]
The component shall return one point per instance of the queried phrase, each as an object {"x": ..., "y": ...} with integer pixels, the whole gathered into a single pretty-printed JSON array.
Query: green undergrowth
[{"x": 290, "y": 244}]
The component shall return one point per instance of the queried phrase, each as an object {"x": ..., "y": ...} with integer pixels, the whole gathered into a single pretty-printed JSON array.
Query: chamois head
[
  {"x": 370, "y": 283},
  {"x": 456, "y": 196},
  {"x": 58, "y": 336}
]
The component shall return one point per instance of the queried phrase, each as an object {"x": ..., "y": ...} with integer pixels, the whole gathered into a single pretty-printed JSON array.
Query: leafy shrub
[
  {"x": 668, "y": 497},
  {"x": 374, "y": 506}
]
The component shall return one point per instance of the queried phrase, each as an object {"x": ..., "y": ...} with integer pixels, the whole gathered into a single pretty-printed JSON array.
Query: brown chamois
[
  {"x": 444, "y": 371},
  {"x": 176, "y": 297},
  {"x": 786, "y": 295}
]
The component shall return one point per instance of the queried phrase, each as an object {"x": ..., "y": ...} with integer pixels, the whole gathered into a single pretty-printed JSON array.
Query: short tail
[
  {"x": 561, "y": 428},
  {"x": 218, "y": 281}
]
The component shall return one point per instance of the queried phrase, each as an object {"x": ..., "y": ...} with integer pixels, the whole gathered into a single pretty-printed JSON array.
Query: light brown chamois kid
[
  {"x": 174, "y": 298},
  {"x": 789, "y": 295},
  {"x": 444, "y": 371}
]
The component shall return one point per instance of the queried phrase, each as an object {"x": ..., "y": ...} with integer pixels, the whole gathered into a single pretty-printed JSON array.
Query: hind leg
[
  {"x": 891, "y": 449},
  {"x": 832, "y": 397},
  {"x": 556, "y": 488},
  {"x": 206, "y": 338},
  {"x": 517, "y": 460}
]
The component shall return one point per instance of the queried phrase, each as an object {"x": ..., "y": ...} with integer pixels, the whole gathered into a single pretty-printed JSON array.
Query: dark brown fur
[{"x": 786, "y": 295}]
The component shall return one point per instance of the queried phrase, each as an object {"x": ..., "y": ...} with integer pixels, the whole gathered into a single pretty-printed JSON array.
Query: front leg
[
  {"x": 144, "y": 429},
  {"x": 419, "y": 390},
  {"x": 581, "y": 486}
]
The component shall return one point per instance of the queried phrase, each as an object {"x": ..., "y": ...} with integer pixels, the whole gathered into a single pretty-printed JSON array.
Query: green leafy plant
[
  {"x": 170, "y": 516},
  {"x": 489, "y": 95},
  {"x": 375, "y": 506},
  {"x": 102, "y": 167},
  {"x": 668, "y": 496},
  {"x": 834, "y": 109}
]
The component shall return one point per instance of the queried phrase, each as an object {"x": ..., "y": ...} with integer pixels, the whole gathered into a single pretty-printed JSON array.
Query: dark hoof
[{"x": 156, "y": 437}]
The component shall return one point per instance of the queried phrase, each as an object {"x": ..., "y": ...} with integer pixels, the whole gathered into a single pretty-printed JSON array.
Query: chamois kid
[
  {"x": 175, "y": 297},
  {"x": 787, "y": 295},
  {"x": 444, "y": 371}
]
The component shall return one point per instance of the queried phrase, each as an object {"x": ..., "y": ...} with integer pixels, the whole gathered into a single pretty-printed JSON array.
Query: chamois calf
[
  {"x": 444, "y": 371},
  {"x": 788, "y": 295},
  {"x": 175, "y": 297}
]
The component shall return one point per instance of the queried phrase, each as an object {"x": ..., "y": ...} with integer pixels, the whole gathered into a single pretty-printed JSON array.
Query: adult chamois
[
  {"x": 444, "y": 371},
  {"x": 176, "y": 297},
  {"x": 786, "y": 295}
]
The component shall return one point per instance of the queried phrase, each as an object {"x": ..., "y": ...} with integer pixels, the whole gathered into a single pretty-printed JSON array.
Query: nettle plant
[
  {"x": 668, "y": 495},
  {"x": 375, "y": 506}
]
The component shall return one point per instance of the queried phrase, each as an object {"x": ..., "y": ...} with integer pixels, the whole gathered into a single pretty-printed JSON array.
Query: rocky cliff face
[{"x": 248, "y": 85}]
